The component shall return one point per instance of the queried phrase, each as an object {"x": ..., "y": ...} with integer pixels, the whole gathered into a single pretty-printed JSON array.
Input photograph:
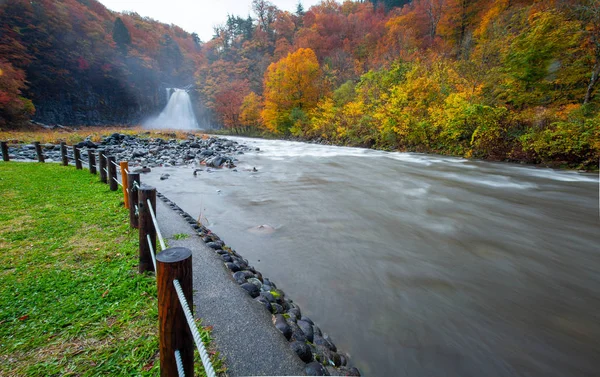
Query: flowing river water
[{"x": 417, "y": 265}]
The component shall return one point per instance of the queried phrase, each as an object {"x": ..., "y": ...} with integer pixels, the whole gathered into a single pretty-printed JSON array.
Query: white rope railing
[
  {"x": 210, "y": 371},
  {"x": 158, "y": 233},
  {"x": 151, "y": 251},
  {"x": 116, "y": 180},
  {"x": 179, "y": 363}
]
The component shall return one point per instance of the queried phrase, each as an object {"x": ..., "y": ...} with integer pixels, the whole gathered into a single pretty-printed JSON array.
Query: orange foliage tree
[
  {"x": 228, "y": 102},
  {"x": 292, "y": 87},
  {"x": 14, "y": 109}
]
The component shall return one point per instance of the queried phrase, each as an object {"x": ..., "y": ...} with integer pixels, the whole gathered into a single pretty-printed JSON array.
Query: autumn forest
[{"x": 507, "y": 80}]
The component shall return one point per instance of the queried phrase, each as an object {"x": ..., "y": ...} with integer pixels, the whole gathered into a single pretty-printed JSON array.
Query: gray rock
[
  {"x": 240, "y": 277},
  {"x": 256, "y": 282},
  {"x": 297, "y": 334},
  {"x": 328, "y": 338},
  {"x": 315, "y": 369},
  {"x": 295, "y": 311},
  {"x": 349, "y": 371},
  {"x": 142, "y": 170},
  {"x": 213, "y": 245},
  {"x": 276, "y": 308},
  {"x": 251, "y": 289},
  {"x": 265, "y": 303},
  {"x": 319, "y": 340},
  {"x": 302, "y": 350},
  {"x": 325, "y": 356},
  {"x": 307, "y": 329},
  {"x": 216, "y": 162},
  {"x": 282, "y": 325},
  {"x": 268, "y": 296}
]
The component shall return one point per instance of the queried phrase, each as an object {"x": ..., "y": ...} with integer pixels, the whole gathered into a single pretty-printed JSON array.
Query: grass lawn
[{"x": 71, "y": 300}]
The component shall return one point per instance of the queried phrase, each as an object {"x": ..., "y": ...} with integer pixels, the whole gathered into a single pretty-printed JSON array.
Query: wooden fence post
[
  {"x": 132, "y": 180},
  {"x": 102, "y": 166},
  {"x": 146, "y": 227},
  {"x": 124, "y": 165},
  {"x": 4, "y": 147},
  {"x": 63, "y": 153},
  {"x": 77, "y": 155},
  {"x": 174, "y": 332},
  {"x": 112, "y": 173},
  {"x": 38, "y": 151},
  {"x": 92, "y": 161}
]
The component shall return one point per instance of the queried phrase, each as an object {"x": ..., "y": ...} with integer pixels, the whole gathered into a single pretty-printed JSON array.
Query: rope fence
[
  {"x": 178, "y": 331},
  {"x": 180, "y": 371},
  {"x": 152, "y": 253},
  {"x": 158, "y": 233},
  {"x": 210, "y": 371}
]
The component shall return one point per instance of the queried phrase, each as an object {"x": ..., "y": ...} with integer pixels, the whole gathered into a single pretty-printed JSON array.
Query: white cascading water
[{"x": 177, "y": 115}]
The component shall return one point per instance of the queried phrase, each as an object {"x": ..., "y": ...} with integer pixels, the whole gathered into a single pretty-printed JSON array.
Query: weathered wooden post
[
  {"x": 63, "y": 153},
  {"x": 124, "y": 166},
  {"x": 174, "y": 333},
  {"x": 133, "y": 182},
  {"x": 91, "y": 161},
  {"x": 38, "y": 151},
  {"x": 4, "y": 147},
  {"x": 77, "y": 155},
  {"x": 146, "y": 227},
  {"x": 102, "y": 166},
  {"x": 112, "y": 173}
]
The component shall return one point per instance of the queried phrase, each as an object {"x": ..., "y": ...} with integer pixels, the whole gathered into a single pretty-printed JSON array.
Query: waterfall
[{"x": 177, "y": 115}]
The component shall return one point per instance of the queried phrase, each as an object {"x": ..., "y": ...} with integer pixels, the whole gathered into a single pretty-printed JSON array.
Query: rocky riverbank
[{"x": 213, "y": 152}]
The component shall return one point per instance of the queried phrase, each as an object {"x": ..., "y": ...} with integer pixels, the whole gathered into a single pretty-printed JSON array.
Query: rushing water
[
  {"x": 178, "y": 114},
  {"x": 418, "y": 265}
]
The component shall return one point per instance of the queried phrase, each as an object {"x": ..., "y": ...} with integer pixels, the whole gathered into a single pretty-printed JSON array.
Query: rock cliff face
[
  {"x": 104, "y": 105},
  {"x": 90, "y": 105}
]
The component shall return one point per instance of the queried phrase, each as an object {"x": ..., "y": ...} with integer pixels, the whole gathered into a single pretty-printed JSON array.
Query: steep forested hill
[{"x": 84, "y": 64}]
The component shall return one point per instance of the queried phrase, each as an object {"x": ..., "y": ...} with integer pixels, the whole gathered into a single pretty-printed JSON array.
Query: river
[{"x": 417, "y": 265}]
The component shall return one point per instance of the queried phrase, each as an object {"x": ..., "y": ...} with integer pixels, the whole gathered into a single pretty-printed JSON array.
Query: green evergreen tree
[{"x": 121, "y": 34}]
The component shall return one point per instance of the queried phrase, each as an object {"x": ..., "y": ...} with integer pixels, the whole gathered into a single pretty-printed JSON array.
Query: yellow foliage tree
[
  {"x": 250, "y": 111},
  {"x": 292, "y": 87}
]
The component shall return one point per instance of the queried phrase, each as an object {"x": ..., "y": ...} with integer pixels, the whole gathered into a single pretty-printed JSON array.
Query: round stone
[
  {"x": 315, "y": 369},
  {"x": 251, "y": 289},
  {"x": 302, "y": 350}
]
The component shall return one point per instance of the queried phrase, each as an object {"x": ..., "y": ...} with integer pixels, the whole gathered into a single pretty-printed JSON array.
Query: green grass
[
  {"x": 180, "y": 236},
  {"x": 71, "y": 300}
]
